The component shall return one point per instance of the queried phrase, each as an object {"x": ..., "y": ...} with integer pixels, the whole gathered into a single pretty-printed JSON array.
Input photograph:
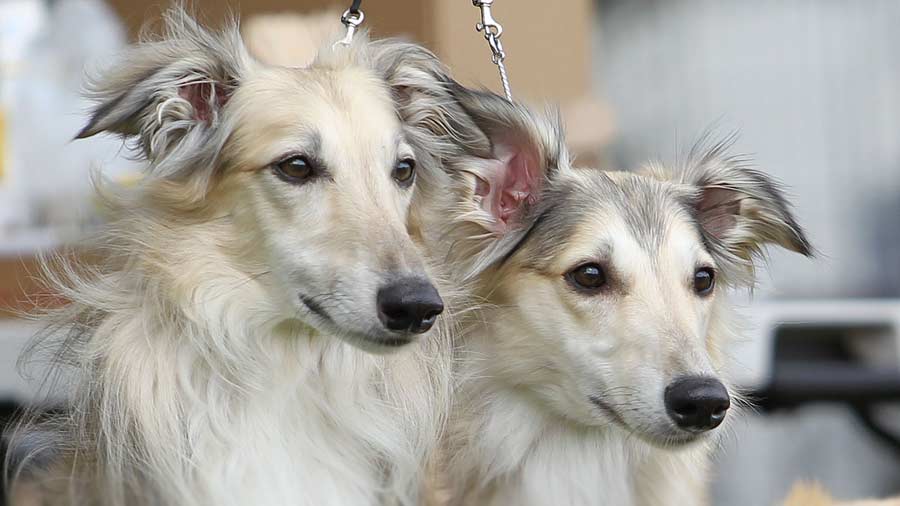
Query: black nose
[
  {"x": 696, "y": 403},
  {"x": 409, "y": 304}
]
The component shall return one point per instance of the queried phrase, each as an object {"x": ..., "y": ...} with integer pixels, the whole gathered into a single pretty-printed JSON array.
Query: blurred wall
[
  {"x": 548, "y": 42},
  {"x": 813, "y": 87},
  {"x": 383, "y": 17},
  {"x": 548, "y": 46}
]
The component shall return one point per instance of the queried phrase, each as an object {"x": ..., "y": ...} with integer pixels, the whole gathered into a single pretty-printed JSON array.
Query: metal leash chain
[
  {"x": 492, "y": 33},
  {"x": 351, "y": 18}
]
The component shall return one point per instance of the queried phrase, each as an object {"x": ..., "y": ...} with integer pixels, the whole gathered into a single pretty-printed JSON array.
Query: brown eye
[
  {"x": 295, "y": 170},
  {"x": 404, "y": 172},
  {"x": 587, "y": 277},
  {"x": 704, "y": 280}
]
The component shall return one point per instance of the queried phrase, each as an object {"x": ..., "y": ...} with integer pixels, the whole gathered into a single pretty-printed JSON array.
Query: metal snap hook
[
  {"x": 351, "y": 20},
  {"x": 492, "y": 32},
  {"x": 488, "y": 24}
]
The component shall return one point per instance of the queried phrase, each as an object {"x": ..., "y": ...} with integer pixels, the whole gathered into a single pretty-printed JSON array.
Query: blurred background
[{"x": 813, "y": 87}]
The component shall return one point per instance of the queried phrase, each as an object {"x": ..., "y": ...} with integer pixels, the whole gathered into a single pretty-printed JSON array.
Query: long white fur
[{"x": 188, "y": 378}]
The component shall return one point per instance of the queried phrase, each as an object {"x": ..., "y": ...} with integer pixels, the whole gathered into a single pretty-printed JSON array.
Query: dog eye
[
  {"x": 404, "y": 172},
  {"x": 295, "y": 170},
  {"x": 704, "y": 280},
  {"x": 587, "y": 277}
]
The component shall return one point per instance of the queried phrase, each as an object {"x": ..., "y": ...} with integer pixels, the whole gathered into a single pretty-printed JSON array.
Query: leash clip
[
  {"x": 351, "y": 20},
  {"x": 492, "y": 33},
  {"x": 490, "y": 25}
]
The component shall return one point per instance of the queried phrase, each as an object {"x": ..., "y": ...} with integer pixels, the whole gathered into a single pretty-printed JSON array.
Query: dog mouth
[
  {"x": 391, "y": 342},
  {"x": 669, "y": 439},
  {"x": 608, "y": 410},
  {"x": 364, "y": 339},
  {"x": 316, "y": 308},
  {"x": 679, "y": 439}
]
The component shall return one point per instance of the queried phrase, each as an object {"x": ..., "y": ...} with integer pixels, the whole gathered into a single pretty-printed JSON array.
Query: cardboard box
[{"x": 18, "y": 284}]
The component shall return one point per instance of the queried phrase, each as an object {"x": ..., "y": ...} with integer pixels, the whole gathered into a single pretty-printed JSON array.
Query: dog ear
[
  {"x": 499, "y": 151},
  {"x": 741, "y": 210},
  {"x": 506, "y": 149},
  {"x": 169, "y": 94},
  {"x": 517, "y": 152},
  {"x": 504, "y": 157},
  {"x": 487, "y": 159}
]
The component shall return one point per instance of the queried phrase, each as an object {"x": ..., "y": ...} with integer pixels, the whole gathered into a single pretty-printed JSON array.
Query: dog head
[
  {"x": 604, "y": 290},
  {"x": 311, "y": 166}
]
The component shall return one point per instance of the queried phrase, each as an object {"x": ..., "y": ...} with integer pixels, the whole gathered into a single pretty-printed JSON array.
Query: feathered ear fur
[
  {"x": 171, "y": 95},
  {"x": 501, "y": 176},
  {"x": 491, "y": 158},
  {"x": 740, "y": 210},
  {"x": 516, "y": 153}
]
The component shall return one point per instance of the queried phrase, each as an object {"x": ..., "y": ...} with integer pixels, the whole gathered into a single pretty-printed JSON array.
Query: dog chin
[
  {"x": 381, "y": 344},
  {"x": 376, "y": 342},
  {"x": 665, "y": 437},
  {"x": 672, "y": 439}
]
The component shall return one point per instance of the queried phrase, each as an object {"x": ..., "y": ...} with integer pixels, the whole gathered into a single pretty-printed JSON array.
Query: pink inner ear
[
  {"x": 200, "y": 94},
  {"x": 513, "y": 183},
  {"x": 718, "y": 209}
]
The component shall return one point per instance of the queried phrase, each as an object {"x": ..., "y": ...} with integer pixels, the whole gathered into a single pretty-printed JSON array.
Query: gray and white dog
[{"x": 593, "y": 325}]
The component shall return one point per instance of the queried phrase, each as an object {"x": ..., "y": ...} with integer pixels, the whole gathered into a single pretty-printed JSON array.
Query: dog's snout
[
  {"x": 697, "y": 403},
  {"x": 409, "y": 305}
]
